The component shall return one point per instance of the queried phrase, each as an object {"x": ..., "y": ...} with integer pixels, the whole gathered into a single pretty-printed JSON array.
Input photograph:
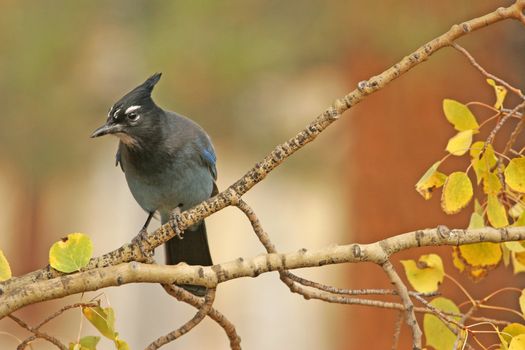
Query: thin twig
[
  {"x": 65, "y": 308},
  {"x": 485, "y": 73},
  {"x": 514, "y": 136},
  {"x": 492, "y": 135},
  {"x": 36, "y": 334},
  {"x": 335, "y": 290},
  {"x": 229, "y": 328},
  {"x": 188, "y": 326},
  {"x": 397, "y": 330}
]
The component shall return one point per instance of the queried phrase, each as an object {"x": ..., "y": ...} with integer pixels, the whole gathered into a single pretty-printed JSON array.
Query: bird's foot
[
  {"x": 140, "y": 241},
  {"x": 174, "y": 221}
]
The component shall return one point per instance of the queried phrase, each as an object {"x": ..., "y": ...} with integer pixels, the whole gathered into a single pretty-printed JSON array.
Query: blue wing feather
[{"x": 210, "y": 159}]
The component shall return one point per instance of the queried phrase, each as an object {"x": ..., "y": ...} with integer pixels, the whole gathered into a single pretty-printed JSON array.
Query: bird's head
[{"x": 132, "y": 115}]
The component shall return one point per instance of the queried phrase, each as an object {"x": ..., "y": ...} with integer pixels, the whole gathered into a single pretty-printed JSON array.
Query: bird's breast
[{"x": 163, "y": 184}]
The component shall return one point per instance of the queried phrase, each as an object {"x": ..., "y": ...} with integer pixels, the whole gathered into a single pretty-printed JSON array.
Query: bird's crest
[
  {"x": 140, "y": 96},
  {"x": 151, "y": 82}
]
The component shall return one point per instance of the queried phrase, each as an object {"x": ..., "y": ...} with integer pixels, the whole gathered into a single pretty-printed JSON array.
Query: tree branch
[{"x": 14, "y": 298}]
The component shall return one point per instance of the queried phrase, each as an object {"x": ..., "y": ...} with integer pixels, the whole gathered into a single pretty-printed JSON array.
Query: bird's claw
[
  {"x": 174, "y": 222},
  {"x": 140, "y": 240}
]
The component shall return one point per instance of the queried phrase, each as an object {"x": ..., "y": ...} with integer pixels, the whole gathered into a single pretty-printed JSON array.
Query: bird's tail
[{"x": 193, "y": 249}]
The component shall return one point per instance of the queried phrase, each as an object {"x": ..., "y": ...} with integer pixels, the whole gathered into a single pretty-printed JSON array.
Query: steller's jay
[{"x": 169, "y": 164}]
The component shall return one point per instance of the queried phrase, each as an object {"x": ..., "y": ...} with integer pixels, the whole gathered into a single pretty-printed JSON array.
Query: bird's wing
[
  {"x": 209, "y": 158},
  {"x": 117, "y": 158}
]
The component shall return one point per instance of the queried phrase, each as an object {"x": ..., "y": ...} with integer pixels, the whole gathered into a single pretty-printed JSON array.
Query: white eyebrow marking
[
  {"x": 116, "y": 112},
  {"x": 110, "y": 110},
  {"x": 131, "y": 109}
]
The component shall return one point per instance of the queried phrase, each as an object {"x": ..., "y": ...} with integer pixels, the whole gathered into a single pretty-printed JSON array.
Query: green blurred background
[{"x": 252, "y": 74}]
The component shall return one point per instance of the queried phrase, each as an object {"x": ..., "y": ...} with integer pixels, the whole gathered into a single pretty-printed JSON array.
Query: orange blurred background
[{"x": 252, "y": 74}]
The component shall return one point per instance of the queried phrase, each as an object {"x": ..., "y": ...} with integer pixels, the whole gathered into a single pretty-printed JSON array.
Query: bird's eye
[{"x": 133, "y": 117}]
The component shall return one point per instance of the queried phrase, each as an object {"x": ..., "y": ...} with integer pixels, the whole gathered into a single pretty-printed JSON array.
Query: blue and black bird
[{"x": 169, "y": 164}]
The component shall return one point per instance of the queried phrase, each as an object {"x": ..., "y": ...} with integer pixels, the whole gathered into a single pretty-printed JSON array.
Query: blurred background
[{"x": 252, "y": 74}]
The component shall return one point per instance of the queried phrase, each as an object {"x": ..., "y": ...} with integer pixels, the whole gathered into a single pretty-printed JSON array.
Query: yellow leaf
[
  {"x": 457, "y": 192},
  {"x": 437, "y": 334},
  {"x": 491, "y": 183},
  {"x": 456, "y": 260},
  {"x": 5, "y": 269},
  {"x": 478, "y": 258},
  {"x": 521, "y": 220},
  {"x": 516, "y": 247},
  {"x": 476, "y": 221},
  {"x": 121, "y": 344},
  {"x": 506, "y": 255},
  {"x": 503, "y": 341},
  {"x": 515, "y": 174},
  {"x": 459, "y": 115},
  {"x": 478, "y": 209},
  {"x": 512, "y": 330},
  {"x": 459, "y": 144},
  {"x": 518, "y": 262},
  {"x": 484, "y": 254},
  {"x": 482, "y": 166},
  {"x": 496, "y": 212},
  {"x": 103, "y": 319},
  {"x": 500, "y": 91},
  {"x": 75, "y": 346},
  {"x": 71, "y": 253},
  {"x": 517, "y": 343},
  {"x": 516, "y": 210},
  {"x": 431, "y": 180},
  {"x": 425, "y": 275}
]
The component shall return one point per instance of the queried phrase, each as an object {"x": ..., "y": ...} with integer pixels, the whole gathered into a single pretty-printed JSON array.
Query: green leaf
[
  {"x": 457, "y": 192},
  {"x": 496, "y": 212},
  {"x": 71, "y": 253},
  {"x": 517, "y": 343},
  {"x": 431, "y": 180},
  {"x": 103, "y": 319},
  {"x": 437, "y": 334},
  {"x": 459, "y": 115},
  {"x": 85, "y": 343},
  {"x": 512, "y": 330},
  {"x": 500, "y": 92},
  {"x": 425, "y": 275},
  {"x": 89, "y": 342},
  {"x": 515, "y": 174},
  {"x": 5, "y": 269},
  {"x": 459, "y": 144}
]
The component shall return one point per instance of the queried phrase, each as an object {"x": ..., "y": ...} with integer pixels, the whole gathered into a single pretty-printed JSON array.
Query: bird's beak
[{"x": 107, "y": 129}]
